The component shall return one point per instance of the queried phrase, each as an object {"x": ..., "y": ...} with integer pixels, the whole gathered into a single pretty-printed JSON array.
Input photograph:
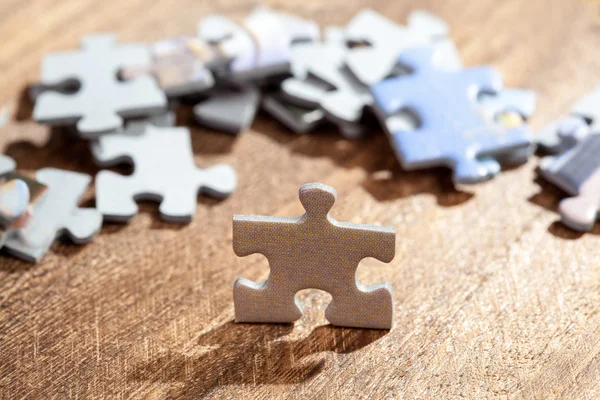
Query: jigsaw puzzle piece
[
  {"x": 14, "y": 193},
  {"x": 296, "y": 118},
  {"x": 102, "y": 100},
  {"x": 386, "y": 40},
  {"x": 14, "y": 200},
  {"x": 577, "y": 172},
  {"x": 450, "y": 132},
  {"x": 229, "y": 110},
  {"x": 262, "y": 45},
  {"x": 322, "y": 80},
  {"x": 180, "y": 65},
  {"x": 589, "y": 108},
  {"x": 510, "y": 108},
  {"x": 175, "y": 182},
  {"x": 55, "y": 215},
  {"x": 303, "y": 253},
  {"x": 560, "y": 135}
]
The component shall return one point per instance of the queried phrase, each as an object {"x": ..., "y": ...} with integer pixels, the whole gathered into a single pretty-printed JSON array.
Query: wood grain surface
[{"x": 494, "y": 298}]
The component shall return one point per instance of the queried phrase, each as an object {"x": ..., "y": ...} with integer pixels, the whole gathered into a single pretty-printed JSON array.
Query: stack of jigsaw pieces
[{"x": 119, "y": 98}]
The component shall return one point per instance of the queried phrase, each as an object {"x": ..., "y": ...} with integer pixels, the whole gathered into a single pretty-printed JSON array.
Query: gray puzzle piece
[
  {"x": 297, "y": 118},
  {"x": 577, "y": 172},
  {"x": 450, "y": 132},
  {"x": 54, "y": 215},
  {"x": 164, "y": 171},
  {"x": 229, "y": 110},
  {"x": 102, "y": 100},
  {"x": 585, "y": 118}
]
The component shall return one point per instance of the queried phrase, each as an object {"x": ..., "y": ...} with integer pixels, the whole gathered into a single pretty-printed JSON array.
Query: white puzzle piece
[
  {"x": 386, "y": 40},
  {"x": 164, "y": 171},
  {"x": 102, "y": 100},
  {"x": 262, "y": 45},
  {"x": 55, "y": 215}
]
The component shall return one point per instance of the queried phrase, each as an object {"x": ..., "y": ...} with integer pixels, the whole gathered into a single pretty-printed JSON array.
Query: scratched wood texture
[{"x": 494, "y": 298}]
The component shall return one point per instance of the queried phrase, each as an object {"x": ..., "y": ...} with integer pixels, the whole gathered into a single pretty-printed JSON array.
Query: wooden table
[{"x": 494, "y": 298}]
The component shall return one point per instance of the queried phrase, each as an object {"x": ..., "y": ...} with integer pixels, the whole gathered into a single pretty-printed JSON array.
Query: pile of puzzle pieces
[
  {"x": 574, "y": 166},
  {"x": 120, "y": 98}
]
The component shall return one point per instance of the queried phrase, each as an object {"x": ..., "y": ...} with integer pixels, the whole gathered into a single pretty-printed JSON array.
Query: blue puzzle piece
[{"x": 451, "y": 131}]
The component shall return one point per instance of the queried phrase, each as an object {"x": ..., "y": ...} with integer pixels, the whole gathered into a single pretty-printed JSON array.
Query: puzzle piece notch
[
  {"x": 313, "y": 251},
  {"x": 54, "y": 215},
  {"x": 164, "y": 171},
  {"x": 102, "y": 101},
  {"x": 451, "y": 132},
  {"x": 561, "y": 135},
  {"x": 577, "y": 172}
]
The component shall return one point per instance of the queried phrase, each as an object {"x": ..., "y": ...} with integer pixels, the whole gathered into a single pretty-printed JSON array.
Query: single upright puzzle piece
[
  {"x": 56, "y": 213},
  {"x": 164, "y": 171},
  {"x": 386, "y": 40},
  {"x": 577, "y": 172},
  {"x": 313, "y": 251},
  {"x": 451, "y": 132},
  {"x": 101, "y": 101}
]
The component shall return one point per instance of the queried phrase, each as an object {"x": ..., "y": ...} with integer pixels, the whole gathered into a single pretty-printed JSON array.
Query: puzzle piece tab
[
  {"x": 164, "y": 171},
  {"x": 577, "y": 172},
  {"x": 101, "y": 101},
  {"x": 451, "y": 132},
  {"x": 313, "y": 251},
  {"x": 55, "y": 214}
]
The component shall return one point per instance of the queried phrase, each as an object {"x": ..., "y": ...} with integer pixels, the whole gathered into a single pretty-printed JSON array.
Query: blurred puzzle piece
[
  {"x": 451, "y": 132},
  {"x": 164, "y": 171},
  {"x": 577, "y": 172},
  {"x": 101, "y": 101},
  {"x": 53, "y": 215}
]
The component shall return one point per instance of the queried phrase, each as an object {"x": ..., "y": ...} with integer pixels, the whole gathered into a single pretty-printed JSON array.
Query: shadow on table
[
  {"x": 386, "y": 180},
  {"x": 251, "y": 354},
  {"x": 549, "y": 198}
]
